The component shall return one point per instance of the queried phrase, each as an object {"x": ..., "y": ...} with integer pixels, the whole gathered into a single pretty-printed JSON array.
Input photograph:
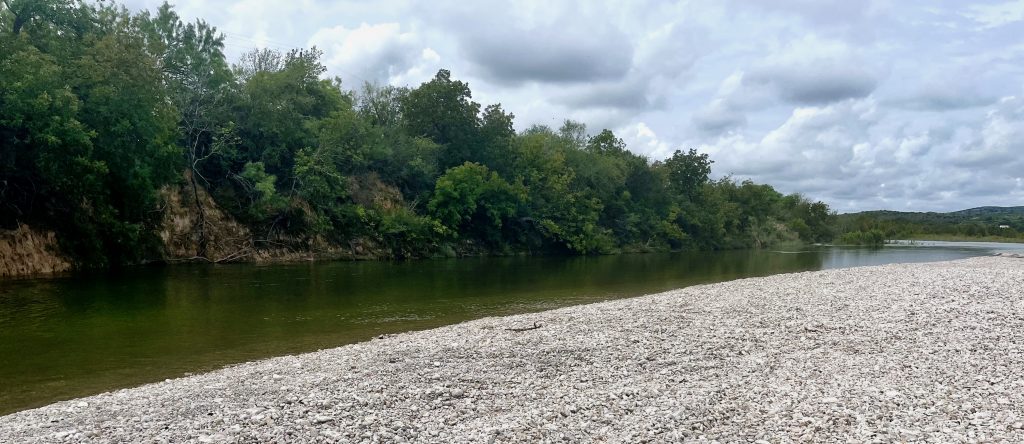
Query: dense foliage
[
  {"x": 872, "y": 237},
  {"x": 100, "y": 108}
]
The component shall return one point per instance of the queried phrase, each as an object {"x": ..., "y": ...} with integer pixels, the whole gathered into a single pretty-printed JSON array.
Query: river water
[{"x": 72, "y": 336}]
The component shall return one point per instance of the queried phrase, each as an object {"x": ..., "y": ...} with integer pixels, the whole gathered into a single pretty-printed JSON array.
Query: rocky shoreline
[{"x": 913, "y": 352}]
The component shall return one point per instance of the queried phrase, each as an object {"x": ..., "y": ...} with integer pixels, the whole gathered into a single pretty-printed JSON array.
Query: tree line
[
  {"x": 984, "y": 223},
  {"x": 101, "y": 108}
]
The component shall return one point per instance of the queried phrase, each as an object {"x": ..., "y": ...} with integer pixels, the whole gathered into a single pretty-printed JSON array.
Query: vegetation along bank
[{"x": 129, "y": 138}]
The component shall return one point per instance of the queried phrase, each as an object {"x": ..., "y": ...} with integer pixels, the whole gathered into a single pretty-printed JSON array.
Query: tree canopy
[{"x": 101, "y": 109}]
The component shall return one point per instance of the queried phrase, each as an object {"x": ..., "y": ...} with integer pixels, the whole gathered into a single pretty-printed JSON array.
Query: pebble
[{"x": 911, "y": 352}]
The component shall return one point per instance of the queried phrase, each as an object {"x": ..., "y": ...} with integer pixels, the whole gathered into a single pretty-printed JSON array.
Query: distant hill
[
  {"x": 980, "y": 221},
  {"x": 978, "y": 213},
  {"x": 993, "y": 211}
]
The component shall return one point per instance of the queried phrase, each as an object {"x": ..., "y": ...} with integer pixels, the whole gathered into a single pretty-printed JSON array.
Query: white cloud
[
  {"x": 1000, "y": 143},
  {"x": 811, "y": 70},
  {"x": 996, "y": 15},
  {"x": 371, "y": 53},
  {"x": 830, "y": 98},
  {"x": 642, "y": 140}
]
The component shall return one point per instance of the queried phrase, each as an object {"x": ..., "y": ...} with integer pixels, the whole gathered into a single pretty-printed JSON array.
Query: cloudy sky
[{"x": 901, "y": 104}]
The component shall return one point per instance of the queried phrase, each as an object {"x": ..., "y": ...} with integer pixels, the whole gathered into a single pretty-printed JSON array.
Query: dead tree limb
[{"x": 535, "y": 326}]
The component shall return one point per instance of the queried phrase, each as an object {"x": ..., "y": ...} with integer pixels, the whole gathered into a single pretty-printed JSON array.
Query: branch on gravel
[{"x": 535, "y": 326}]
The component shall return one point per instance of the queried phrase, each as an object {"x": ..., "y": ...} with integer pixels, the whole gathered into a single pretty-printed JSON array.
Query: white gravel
[{"x": 915, "y": 352}]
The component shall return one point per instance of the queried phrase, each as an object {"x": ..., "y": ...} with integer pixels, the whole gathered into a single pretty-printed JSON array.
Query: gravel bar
[{"x": 928, "y": 352}]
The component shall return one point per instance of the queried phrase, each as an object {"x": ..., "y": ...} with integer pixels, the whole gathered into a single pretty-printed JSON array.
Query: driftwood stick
[{"x": 535, "y": 326}]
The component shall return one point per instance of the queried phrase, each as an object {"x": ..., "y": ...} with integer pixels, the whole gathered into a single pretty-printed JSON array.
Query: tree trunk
[{"x": 203, "y": 241}]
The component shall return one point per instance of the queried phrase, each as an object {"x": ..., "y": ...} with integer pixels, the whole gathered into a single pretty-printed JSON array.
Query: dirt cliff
[
  {"x": 194, "y": 227},
  {"x": 26, "y": 251}
]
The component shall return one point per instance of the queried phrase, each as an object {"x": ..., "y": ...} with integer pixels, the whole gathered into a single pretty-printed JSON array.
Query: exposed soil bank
[
  {"x": 193, "y": 228},
  {"x": 26, "y": 251},
  {"x": 913, "y": 352}
]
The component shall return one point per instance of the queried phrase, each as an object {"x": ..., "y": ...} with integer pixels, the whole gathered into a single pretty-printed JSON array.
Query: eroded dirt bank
[{"x": 26, "y": 251}]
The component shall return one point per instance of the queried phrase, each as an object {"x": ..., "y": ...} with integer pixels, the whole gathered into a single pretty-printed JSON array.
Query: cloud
[
  {"x": 847, "y": 154},
  {"x": 552, "y": 54},
  {"x": 950, "y": 88},
  {"x": 813, "y": 140},
  {"x": 628, "y": 94},
  {"x": 643, "y": 140},
  {"x": 828, "y": 152},
  {"x": 805, "y": 71},
  {"x": 663, "y": 57},
  {"x": 815, "y": 71},
  {"x": 999, "y": 143},
  {"x": 814, "y": 11},
  {"x": 718, "y": 116},
  {"x": 870, "y": 104},
  {"x": 996, "y": 15},
  {"x": 370, "y": 53},
  {"x": 936, "y": 98},
  {"x": 728, "y": 107},
  {"x": 817, "y": 84}
]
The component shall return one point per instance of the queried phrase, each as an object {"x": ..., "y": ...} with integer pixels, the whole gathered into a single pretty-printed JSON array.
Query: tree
[
  {"x": 566, "y": 219},
  {"x": 275, "y": 110},
  {"x": 472, "y": 200},
  {"x": 382, "y": 105},
  {"x": 59, "y": 12},
  {"x": 688, "y": 172},
  {"x": 409, "y": 163},
  {"x": 343, "y": 135},
  {"x": 264, "y": 200},
  {"x": 606, "y": 143},
  {"x": 441, "y": 110},
  {"x": 47, "y": 166},
  {"x": 101, "y": 109},
  {"x": 198, "y": 78},
  {"x": 258, "y": 60},
  {"x": 496, "y": 135},
  {"x": 125, "y": 103},
  {"x": 574, "y": 134}
]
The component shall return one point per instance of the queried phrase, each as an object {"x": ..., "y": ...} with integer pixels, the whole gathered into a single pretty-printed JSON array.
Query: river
[{"x": 71, "y": 336}]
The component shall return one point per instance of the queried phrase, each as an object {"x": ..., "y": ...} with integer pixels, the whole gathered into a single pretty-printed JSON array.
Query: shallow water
[{"x": 67, "y": 337}]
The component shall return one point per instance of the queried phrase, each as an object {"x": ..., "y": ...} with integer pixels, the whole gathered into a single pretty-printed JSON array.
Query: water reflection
[{"x": 68, "y": 337}]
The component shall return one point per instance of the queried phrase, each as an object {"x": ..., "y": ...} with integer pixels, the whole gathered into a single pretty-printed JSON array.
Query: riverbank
[
  {"x": 957, "y": 238},
  {"x": 897, "y": 352}
]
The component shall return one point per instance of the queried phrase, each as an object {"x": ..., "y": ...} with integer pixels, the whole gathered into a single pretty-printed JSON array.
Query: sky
[{"x": 902, "y": 105}]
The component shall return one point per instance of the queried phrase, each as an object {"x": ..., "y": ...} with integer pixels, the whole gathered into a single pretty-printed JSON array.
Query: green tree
[
  {"x": 496, "y": 136},
  {"x": 573, "y": 134},
  {"x": 564, "y": 219},
  {"x": 264, "y": 202},
  {"x": 472, "y": 200},
  {"x": 344, "y": 135},
  {"x": 125, "y": 103},
  {"x": 46, "y": 155},
  {"x": 275, "y": 110},
  {"x": 442, "y": 110},
  {"x": 688, "y": 172},
  {"x": 199, "y": 83},
  {"x": 409, "y": 163},
  {"x": 19, "y": 14},
  {"x": 100, "y": 109},
  {"x": 382, "y": 105}
]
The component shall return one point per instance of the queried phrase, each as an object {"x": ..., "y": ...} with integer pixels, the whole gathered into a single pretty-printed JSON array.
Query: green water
[{"x": 67, "y": 337}]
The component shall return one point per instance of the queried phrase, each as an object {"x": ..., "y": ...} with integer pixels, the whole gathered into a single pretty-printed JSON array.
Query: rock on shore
[{"x": 914, "y": 352}]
